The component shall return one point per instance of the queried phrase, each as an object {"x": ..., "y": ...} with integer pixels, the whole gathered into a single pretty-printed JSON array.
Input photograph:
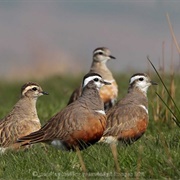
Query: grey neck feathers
[
  {"x": 90, "y": 96},
  {"x": 101, "y": 68},
  {"x": 136, "y": 97}
]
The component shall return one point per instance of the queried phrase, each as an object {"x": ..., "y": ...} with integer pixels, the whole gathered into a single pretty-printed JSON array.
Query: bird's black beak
[
  {"x": 112, "y": 57},
  {"x": 154, "y": 83},
  {"x": 45, "y": 93},
  {"x": 106, "y": 83}
]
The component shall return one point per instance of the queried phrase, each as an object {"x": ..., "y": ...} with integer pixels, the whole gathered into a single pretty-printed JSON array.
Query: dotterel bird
[
  {"x": 127, "y": 121},
  {"x": 107, "y": 93},
  {"x": 23, "y": 118},
  {"x": 78, "y": 125}
]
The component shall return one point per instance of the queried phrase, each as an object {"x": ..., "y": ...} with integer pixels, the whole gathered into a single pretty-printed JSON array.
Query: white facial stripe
[
  {"x": 101, "y": 112},
  {"x": 28, "y": 88},
  {"x": 144, "y": 107},
  {"x": 99, "y": 50},
  {"x": 87, "y": 80},
  {"x": 135, "y": 78}
]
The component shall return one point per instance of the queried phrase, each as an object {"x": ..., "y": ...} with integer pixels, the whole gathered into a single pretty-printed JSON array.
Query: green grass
[{"x": 156, "y": 155}]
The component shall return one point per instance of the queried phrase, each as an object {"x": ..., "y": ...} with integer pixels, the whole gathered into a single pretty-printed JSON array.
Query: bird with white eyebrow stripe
[
  {"x": 23, "y": 118},
  {"x": 108, "y": 94},
  {"x": 127, "y": 121},
  {"x": 78, "y": 125}
]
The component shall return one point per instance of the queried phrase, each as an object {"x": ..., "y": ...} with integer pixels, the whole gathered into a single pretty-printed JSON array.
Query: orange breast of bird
[
  {"x": 134, "y": 133},
  {"x": 109, "y": 92},
  {"x": 88, "y": 134}
]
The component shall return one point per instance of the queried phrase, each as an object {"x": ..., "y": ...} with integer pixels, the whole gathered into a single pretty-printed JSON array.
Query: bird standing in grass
[
  {"x": 127, "y": 121},
  {"x": 78, "y": 125},
  {"x": 23, "y": 118},
  {"x": 109, "y": 93}
]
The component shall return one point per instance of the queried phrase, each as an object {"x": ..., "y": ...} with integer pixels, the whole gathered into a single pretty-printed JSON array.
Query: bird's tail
[{"x": 32, "y": 138}]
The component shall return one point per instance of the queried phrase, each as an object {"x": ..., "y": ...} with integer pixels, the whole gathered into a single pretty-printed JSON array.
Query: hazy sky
[{"x": 46, "y": 36}]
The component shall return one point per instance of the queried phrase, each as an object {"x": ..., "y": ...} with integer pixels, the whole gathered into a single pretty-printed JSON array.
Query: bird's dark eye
[
  {"x": 141, "y": 79},
  {"x": 100, "y": 53},
  {"x": 96, "y": 79},
  {"x": 34, "y": 88}
]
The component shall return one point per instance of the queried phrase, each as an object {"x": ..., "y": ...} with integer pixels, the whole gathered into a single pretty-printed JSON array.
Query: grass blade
[{"x": 177, "y": 121}]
